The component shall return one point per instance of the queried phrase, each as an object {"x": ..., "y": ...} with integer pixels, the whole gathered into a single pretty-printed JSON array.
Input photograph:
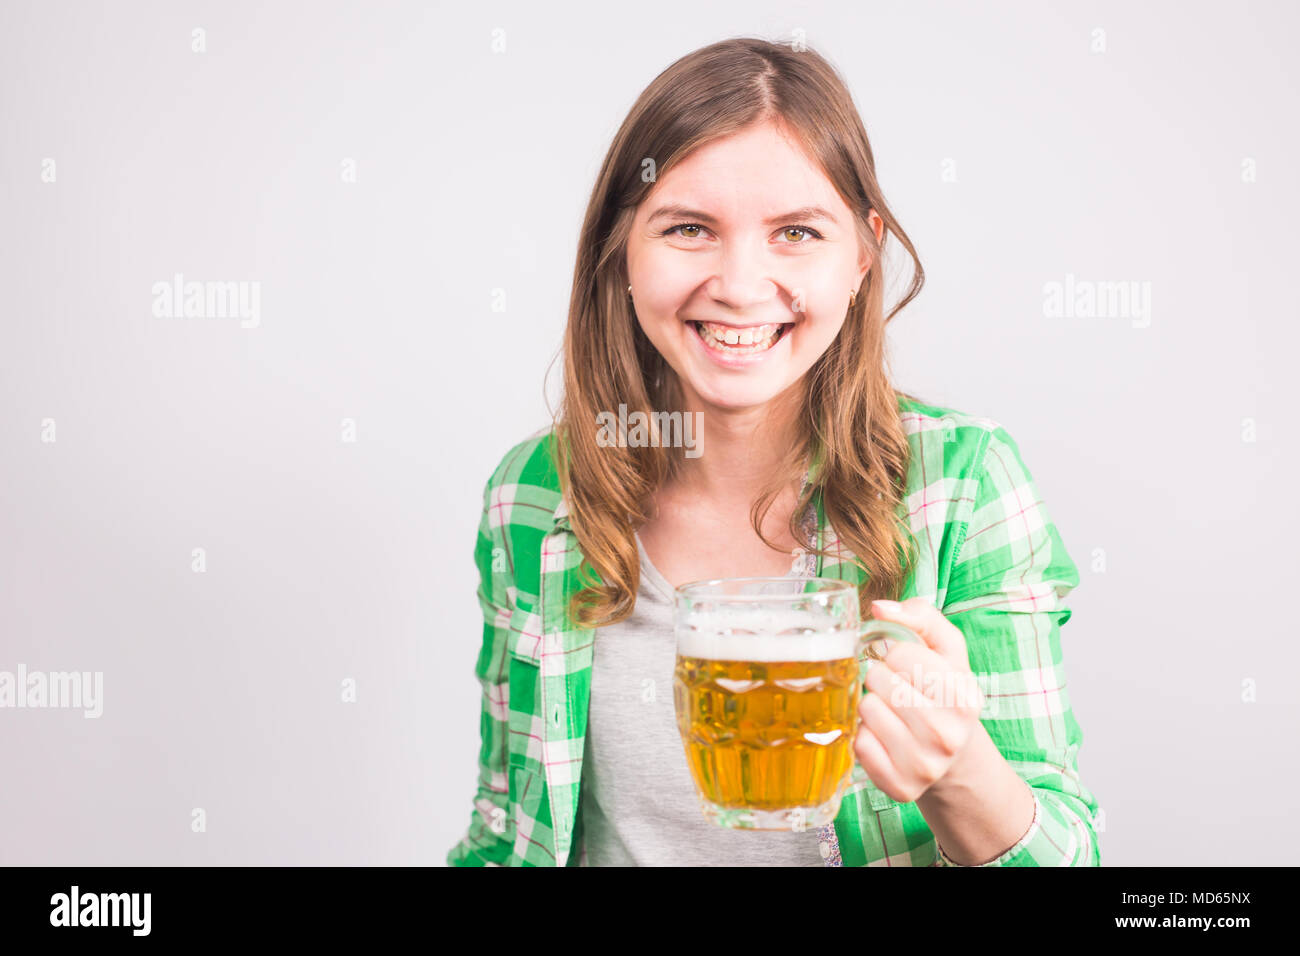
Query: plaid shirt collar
[{"x": 560, "y": 519}]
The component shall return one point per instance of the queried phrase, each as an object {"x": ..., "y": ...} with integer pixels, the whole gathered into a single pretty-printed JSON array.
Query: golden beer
[
  {"x": 772, "y": 736},
  {"x": 766, "y": 690}
]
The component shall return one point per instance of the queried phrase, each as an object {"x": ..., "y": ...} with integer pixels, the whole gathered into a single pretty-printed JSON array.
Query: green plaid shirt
[{"x": 989, "y": 558}]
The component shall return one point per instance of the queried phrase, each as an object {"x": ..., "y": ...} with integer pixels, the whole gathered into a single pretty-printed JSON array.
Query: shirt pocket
[
  {"x": 525, "y": 638},
  {"x": 524, "y": 645}
]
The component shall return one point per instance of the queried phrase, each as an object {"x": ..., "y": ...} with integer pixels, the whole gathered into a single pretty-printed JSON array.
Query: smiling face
[{"x": 741, "y": 260}]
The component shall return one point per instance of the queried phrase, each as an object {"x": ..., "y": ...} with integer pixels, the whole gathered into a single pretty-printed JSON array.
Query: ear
[
  {"x": 864, "y": 262},
  {"x": 877, "y": 224}
]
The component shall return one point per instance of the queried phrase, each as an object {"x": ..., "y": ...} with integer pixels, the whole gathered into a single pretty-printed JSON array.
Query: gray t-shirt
[{"x": 639, "y": 805}]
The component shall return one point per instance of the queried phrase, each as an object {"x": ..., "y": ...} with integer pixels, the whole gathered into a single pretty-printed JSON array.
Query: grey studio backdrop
[{"x": 256, "y": 525}]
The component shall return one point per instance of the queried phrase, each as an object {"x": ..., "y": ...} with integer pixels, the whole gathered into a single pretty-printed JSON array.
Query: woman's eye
[
  {"x": 688, "y": 225},
  {"x": 800, "y": 232}
]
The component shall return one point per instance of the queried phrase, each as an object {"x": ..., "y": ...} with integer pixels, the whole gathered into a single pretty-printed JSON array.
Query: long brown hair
[{"x": 849, "y": 418}]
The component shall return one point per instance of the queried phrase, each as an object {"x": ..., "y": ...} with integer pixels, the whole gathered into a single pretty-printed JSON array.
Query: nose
[{"x": 744, "y": 277}]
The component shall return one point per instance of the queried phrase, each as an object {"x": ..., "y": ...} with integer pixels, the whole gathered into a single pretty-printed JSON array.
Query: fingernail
[{"x": 889, "y": 607}]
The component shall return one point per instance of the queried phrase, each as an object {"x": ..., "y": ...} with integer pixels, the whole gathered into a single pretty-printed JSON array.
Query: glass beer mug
[{"x": 766, "y": 688}]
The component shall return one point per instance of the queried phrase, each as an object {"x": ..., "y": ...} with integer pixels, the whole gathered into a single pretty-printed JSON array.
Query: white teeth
[
  {"x": 757, "y": 338},
  {"x": 754, "y": 333}
]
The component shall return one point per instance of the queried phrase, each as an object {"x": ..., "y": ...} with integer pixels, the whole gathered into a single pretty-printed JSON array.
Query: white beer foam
[
  {"x": 767, "y": 648},
  {"x": 779, "y": 634}
]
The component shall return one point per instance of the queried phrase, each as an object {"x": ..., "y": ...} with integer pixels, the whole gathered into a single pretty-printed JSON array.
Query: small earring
[
  {"x": 629, "y": 290},
  {"x": 853, "y": 297}
]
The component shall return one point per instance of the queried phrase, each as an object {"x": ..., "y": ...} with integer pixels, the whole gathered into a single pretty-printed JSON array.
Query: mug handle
[{"x": 873, "y": 631}]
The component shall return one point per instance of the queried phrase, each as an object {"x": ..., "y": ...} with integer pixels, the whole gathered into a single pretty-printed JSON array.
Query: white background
[{"x": 329, "y": 560}]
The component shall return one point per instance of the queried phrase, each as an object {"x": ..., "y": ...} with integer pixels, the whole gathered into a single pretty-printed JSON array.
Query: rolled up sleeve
[{"x": 1005, "y": 594}]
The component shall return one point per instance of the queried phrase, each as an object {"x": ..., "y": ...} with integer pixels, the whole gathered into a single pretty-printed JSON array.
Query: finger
[
  {"x": 922, "y": 667},
  {"x": 875, "y": 761},
  {"x": 913, "y": 708},
  {"x": 929, "y": 624},
  {"x": 893, "y": 733}
]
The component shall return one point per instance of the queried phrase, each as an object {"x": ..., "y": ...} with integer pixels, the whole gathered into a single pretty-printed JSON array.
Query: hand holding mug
[{"x": 923, "y": 703}]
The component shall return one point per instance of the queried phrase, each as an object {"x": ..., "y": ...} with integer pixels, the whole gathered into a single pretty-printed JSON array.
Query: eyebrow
[{"x": 802, "y": 214}]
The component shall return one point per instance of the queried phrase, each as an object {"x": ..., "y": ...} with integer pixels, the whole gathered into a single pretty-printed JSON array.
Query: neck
[{"x": 742, "y": 449}]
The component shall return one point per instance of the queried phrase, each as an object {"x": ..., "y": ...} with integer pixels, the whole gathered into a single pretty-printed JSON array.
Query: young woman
[{"x": 730, "y": 269}]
